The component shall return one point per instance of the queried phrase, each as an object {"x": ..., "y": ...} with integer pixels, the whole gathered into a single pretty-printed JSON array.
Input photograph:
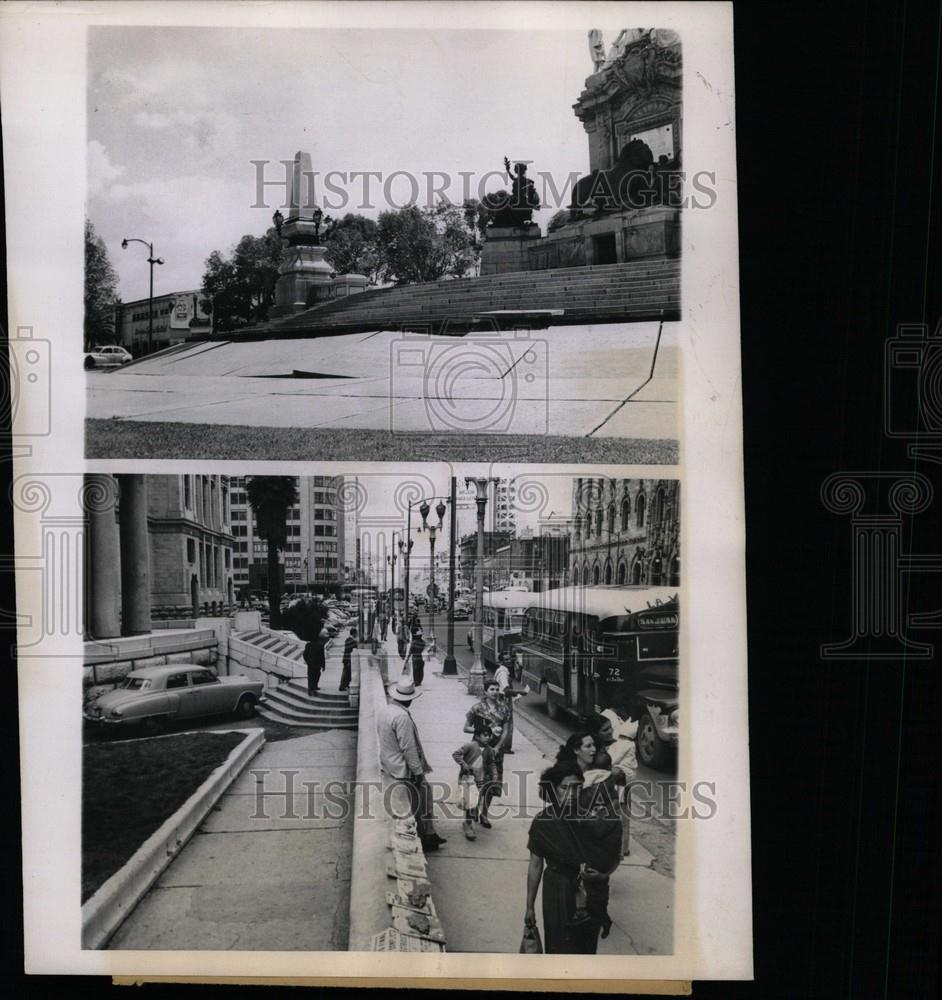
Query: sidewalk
[{"x": 480, "y": 886}]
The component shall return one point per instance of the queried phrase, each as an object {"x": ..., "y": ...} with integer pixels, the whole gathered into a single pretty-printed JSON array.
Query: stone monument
[
  {"x": 305, "y": 278},
  {"x": 511, "y": 228}
]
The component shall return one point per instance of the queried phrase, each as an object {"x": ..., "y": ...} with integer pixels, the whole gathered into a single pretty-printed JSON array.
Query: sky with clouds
[{"x": 177, "y": 115}]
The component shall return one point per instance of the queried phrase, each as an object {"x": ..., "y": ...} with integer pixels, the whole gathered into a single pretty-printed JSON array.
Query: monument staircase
[
  {"x": 281, "y": 655},
  {"x": 635, "y": 290}
]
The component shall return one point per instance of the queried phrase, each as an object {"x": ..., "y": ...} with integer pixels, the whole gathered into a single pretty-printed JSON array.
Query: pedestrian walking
[
  {"x": 374, "y": 634},
  {"x": 471, "y": 641},
  {"x": 505, "y": 686},
  {"x": 383, "y": 626},
  {"x": 315, "y": 656},
  {"x": 555, "y": 858},
  {"x": 416, "y": 649},
  {"x": 599, "y": 833},
  {"x": 349, "y": 646},
  {"x": 486, "y": 720},
  {"x": 402, "y": 758},
  {"x": 470, "y": 759}
]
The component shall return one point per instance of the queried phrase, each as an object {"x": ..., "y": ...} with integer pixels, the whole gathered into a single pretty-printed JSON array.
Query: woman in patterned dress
[{"x": 486, "y": 720}]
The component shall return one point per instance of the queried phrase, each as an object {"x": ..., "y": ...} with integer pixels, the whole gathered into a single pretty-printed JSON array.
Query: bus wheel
[
  {"x": 552, "y": 709},
  {"x": 650, "y": 745}
]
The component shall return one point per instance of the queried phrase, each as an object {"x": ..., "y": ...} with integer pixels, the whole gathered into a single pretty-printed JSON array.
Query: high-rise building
[
  {"x": 501, "y": 504},
  {"x": 313, "y": 554}
]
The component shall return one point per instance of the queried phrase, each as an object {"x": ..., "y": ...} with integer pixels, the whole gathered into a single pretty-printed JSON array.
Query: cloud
[
  {"x": 102, "y": 173},
  {"x": 161, "y": 120}
]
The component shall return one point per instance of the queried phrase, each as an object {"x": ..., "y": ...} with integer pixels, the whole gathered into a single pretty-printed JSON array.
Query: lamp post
[
  {"x": 151, "y": 260},
  {"x": 432, "y": 595},
  {"x": 476, "y": 676},
  {"x": 450, "y": 665}
]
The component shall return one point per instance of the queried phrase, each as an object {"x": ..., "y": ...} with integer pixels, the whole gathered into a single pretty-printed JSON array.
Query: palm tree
[{"x": 270, "y": 498}]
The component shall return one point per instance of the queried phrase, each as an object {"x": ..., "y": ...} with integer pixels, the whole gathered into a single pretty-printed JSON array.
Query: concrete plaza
[{"x": 568, "y": 381}]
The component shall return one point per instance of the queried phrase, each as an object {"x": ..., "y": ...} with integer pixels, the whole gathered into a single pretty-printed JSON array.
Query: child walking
[{"x": 470, "y": 759}]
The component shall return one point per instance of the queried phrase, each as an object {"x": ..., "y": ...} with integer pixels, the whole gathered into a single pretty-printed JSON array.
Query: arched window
[
  {"x": 625, "y": 513},
  {"x": 659, "y": 506},
  {"x": 588, "y": 525},
  {"x": 622, "y": 573},
  {"x": 585, "y": 574},
  {"x": 598, "y": 521},
  {"x": 611, "y": 518},
  {"x": 608, "y": 572},
  {"x": 595, "y": 573},
  {"x": 675, "y": 571},
  {"x": 639, "y": 510},
  {"x": 636, "y": 571}
]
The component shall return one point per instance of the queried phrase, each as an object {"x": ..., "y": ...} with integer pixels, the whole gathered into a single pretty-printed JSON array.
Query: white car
[{"x": 109, "y": 356}]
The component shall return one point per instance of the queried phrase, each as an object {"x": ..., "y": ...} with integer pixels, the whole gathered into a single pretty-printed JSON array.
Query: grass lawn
[
  {"x": 130, "y": 788},
  {"x": 146, "y": 439}
]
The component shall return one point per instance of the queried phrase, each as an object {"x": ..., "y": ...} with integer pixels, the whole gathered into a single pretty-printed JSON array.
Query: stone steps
[
  {"x": 317, "y": 725},
  {"x": 629, "y": 290}
]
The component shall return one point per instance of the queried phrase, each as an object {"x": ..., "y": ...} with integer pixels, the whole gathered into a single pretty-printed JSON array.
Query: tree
[
  {"x": 270, "y": 497},
  {"x": 351, "y": 247},
  {"x": 242, "y": 287},
  {"x": 101, "y": 284},
  {"x": 425, "y": 244}
]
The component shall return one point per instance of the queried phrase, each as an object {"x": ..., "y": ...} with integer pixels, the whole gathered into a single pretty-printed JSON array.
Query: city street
[{"x": 651, "y": 826}]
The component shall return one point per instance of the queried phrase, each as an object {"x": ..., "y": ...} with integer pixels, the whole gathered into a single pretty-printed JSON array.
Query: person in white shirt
[{"x": 402, "y": 758}]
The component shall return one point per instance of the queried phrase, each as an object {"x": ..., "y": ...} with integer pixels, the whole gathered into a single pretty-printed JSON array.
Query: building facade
[
  {"x": 313, "y": 555},
  {"x": 625, "y": 531},
  {"x": 188, "y": 519},
  {"x": 178, "y": 317}
]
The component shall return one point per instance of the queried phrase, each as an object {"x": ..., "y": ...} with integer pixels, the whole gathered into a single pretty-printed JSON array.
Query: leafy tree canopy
[
  {"x": 241, "y": 286},
  {"x": 101, "y": 291}
]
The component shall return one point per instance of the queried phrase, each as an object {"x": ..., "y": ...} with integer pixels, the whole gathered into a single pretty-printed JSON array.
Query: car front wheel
[
  {"x": 153, "y": 725},
  {"x": 246, "y": 707},
  {"x": 89, "y": 364},
  {"x": 651, "y": 749}
]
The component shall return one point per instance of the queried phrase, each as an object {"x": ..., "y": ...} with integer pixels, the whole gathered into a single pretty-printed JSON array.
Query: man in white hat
[{"x": 401, "y": 755}]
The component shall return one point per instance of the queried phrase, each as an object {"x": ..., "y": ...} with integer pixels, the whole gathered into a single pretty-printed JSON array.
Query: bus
[
  {"x": 503, "y": 623},
  {"x": 590, "y": 648}
]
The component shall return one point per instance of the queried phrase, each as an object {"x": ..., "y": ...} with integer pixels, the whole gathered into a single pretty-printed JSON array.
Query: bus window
[{"x": 657, "y": 646}]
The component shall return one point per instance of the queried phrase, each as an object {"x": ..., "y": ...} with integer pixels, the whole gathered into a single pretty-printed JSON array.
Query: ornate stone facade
[
  {"x": 625, "y": 531},
  {"x": 628, "y": 207}
]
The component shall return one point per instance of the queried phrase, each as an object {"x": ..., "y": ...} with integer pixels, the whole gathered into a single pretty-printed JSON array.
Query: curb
[{"x": 110, "y": 906}]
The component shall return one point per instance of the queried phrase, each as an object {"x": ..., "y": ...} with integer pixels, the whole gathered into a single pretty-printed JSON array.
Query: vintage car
[
  {"x": 153, "y": 696},
  {"x": 109, "y": 356}
]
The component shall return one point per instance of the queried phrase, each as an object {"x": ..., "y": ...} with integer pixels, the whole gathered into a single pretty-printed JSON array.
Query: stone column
[
  {"x": 135, "y": 557},
  {"x": 102, "y": 574}
]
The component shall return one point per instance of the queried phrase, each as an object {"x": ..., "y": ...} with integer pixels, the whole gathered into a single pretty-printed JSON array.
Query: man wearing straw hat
[{"x": 402, "y": 758}]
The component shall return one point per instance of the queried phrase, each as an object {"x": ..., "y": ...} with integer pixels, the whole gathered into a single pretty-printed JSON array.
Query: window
[
  {"x": 608, "y": 572},
  {"x": 622, "y": 573},
  {"x": 176, "y": 681},
  {"x": 202, "y": 677},
  {"x": 319, "y": 498},
  {"x": 611, "y": 518},
  {"x": 595, "y": 573},
  {"x": 598, "y": 521},
  {"x": 639, "y": 510},
  {"x": 625, "y": 513},
  {"x": 588, "y": 526},
  {"x": 187, "y": 493},
  {"x": 659, "y": 507},
  {"x": 190, "y": 550}
]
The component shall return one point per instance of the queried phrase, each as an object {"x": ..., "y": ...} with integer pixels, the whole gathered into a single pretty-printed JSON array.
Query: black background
[{"x": 839, "y": 146}]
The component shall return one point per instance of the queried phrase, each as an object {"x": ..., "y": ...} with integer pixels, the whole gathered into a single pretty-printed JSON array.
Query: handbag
[{"x": 531, "y": 944}]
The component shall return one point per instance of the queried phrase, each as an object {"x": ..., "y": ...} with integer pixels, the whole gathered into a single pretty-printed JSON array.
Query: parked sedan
[
  {"x": 109, "y": 356},
  {"x": 153, "y": 696}
]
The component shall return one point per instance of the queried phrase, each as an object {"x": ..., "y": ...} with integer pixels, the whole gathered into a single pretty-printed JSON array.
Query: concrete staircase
[
  {"x": 290, "y": 704},
  {"x": 604, "y": 293}
]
